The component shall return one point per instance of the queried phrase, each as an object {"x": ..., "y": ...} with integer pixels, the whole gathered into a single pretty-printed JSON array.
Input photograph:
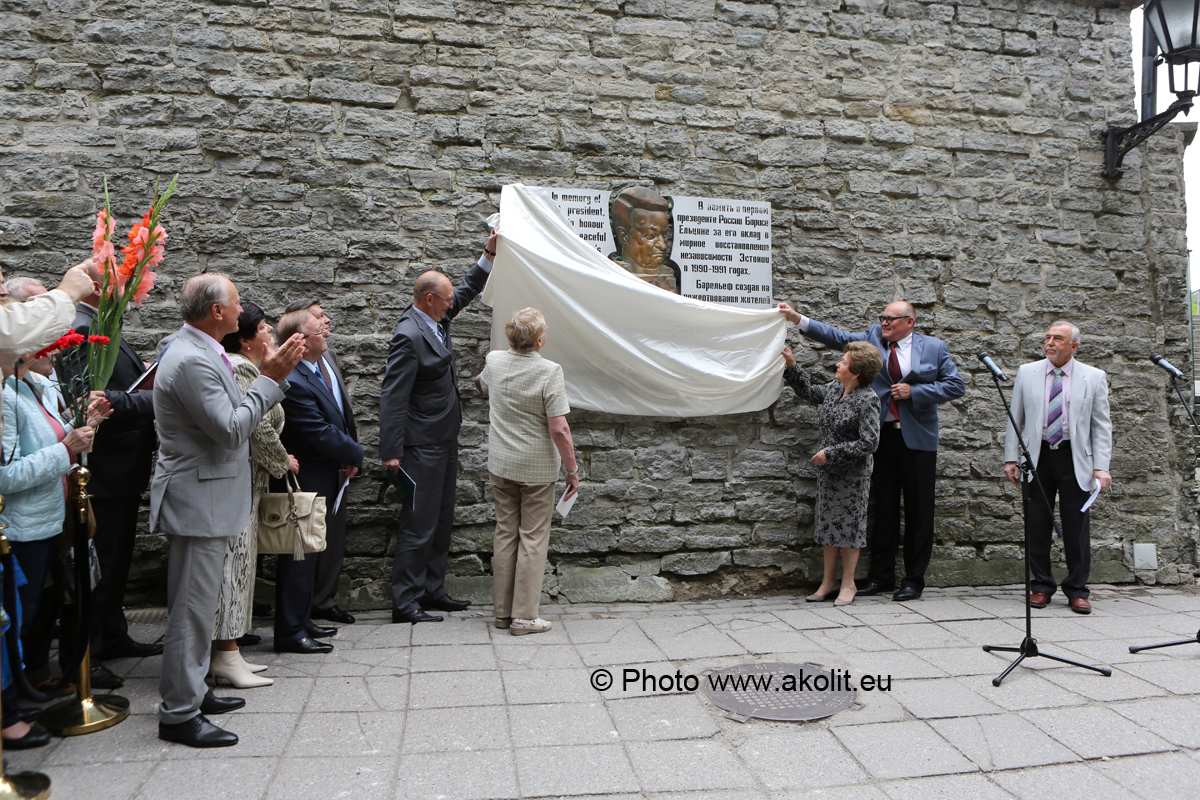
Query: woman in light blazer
[{"x": 529, "y": 434}]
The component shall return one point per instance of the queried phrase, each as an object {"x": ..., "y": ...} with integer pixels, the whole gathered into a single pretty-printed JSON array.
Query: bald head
[
  {"x": 897, "y": 321},
  {"x": 433, "y": 294}
]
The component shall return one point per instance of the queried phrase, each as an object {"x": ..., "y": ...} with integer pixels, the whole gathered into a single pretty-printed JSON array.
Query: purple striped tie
[{"x": 1054, "y": 422}]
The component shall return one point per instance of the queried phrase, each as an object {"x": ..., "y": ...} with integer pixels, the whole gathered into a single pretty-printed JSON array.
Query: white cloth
[{"x": 627, "y": 347}]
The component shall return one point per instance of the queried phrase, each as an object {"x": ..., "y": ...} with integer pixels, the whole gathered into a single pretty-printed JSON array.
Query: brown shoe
[
  {"x": 1080, "y": 605},
  {"x": 1039, "y": 599}
]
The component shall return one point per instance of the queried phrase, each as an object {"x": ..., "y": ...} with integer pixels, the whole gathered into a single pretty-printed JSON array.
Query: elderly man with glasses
[{"x": 917, "y": 375}]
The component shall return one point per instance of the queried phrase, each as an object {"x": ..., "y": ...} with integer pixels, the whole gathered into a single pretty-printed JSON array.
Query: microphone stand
[
  {"x": 1196, "y": 640},
  {"x": 1029, "y": 646}
]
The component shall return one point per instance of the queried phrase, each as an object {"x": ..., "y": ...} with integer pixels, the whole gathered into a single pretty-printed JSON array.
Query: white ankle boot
[
  {"x": 251, "y": 667},
  {"x": 227, "y": 665}
]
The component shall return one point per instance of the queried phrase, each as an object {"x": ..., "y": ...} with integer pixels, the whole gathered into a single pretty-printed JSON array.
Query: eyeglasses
[{"x": 889, "y": 320}]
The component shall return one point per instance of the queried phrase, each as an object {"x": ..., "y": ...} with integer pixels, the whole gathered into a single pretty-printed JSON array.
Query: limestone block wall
[{"x": 944, "y": 152}]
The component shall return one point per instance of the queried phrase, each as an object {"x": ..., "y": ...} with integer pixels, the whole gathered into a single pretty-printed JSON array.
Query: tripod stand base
[
  {"x": 24, "y": 786},
  {"x": 73, "y": 716},
  {"x": 1135, "y": 649},
  {"x": 1029, "y": 649}
]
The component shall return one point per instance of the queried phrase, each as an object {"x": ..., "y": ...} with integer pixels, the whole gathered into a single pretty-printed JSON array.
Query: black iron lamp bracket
[{"x": 1119, "y": 141}]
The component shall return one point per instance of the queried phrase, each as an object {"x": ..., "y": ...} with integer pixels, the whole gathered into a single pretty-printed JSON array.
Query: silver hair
[
  {"x": 1075, "y": 337},
  {"x": 200, "y": 292},
  {"x": 19, "y": 287}
]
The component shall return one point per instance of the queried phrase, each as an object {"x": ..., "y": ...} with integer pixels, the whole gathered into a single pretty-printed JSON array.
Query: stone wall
[{"x": 946, "y": 153}]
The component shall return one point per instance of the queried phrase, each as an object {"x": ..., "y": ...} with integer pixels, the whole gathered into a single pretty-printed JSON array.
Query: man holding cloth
[
  {"x": 917, "y": 375},
  {"x": 419, "y": 420},
  {"x": 200, "y": 493},
  {"x": 1061, "y": 407}
]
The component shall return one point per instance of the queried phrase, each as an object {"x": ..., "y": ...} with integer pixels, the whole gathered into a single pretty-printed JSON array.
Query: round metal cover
[{"x": 782, "y": 692}]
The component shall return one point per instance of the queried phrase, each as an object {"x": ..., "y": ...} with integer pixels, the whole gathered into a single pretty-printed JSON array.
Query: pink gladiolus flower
[{"x": 145, "y": 285}]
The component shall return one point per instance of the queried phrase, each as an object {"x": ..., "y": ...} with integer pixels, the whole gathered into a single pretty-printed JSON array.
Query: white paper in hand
[
  {"x": 1092, "y": 499},
  {"x": 566, "y": 503}
]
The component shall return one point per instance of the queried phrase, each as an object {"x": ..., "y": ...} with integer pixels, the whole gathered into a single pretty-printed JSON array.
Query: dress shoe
[
  {"x": 906, "y": 593},
  {"x": 306, "y": 645},
  {"x": 255, "y": 668},
  {"x": 443, "y": 603},
  {"x": 1080, "y": 605},
  {"x": 131, "y": 649},
  {"x": 105, "y": 678},
  {"x": 227, "y": 665},
  {"x": 872, "y": 587},
  {"x": 321, "y": 632},
  {"x": 196, "y": 732},
  {"x": 1039, "y": 599},
  {"x": 49, "y": 683},
  {"x": 248, "y": 639},
  {"x": 840, "y": 601},
  {"x": 821, "y": 598},
  {"x": 414, "y": 616},
  {"x": 34, "y": 737},
  {"x": 29, "y": 713},
  {"x": 333, "y": 614},
  {"x": 503, "y": 622},
  {"x": 211, "y": 704}
]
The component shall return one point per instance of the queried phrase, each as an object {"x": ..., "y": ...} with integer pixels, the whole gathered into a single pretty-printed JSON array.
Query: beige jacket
[{"x": 28, "y": 327}]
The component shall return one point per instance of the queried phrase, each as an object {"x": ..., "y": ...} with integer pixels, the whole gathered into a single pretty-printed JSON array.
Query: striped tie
[{"x": 1054, "y": 422}]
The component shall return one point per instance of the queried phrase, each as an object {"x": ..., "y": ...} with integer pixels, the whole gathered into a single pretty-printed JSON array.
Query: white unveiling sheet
[{"x": 627, "y": 347}]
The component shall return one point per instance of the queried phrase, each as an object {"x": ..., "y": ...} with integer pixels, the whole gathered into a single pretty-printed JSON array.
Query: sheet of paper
[
  {"x": 1092, "y": 499},
  {"x": 341, "y": 493},
  {"x": 565, "y": 504}
]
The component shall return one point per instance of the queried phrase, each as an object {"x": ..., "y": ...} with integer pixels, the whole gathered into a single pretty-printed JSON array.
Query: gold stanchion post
[
  {"x": 82, "y": 713},
  {"x": 19, "y": 785}
]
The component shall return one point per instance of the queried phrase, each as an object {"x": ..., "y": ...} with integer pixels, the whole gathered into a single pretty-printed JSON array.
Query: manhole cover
[{"x": 782, "y": 692}]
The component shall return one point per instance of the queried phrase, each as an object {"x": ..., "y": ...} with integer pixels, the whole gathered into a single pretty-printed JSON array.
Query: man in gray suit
[
  {"x": 419, "y": 420},
  {"x": 1061, "y": 407},
  {"x": 200, "y": 493}
]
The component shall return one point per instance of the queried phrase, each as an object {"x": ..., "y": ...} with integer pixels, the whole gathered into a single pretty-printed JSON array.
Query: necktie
[
  {"x": 325, "y": 373},
  {"x": 894, "y": 374},
  {"x": 441, "y": 334},
  {"x": 1054, "y": 412}
]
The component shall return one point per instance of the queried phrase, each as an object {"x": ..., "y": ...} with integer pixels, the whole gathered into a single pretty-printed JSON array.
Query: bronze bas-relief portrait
[{"x": 642, "y": 224}]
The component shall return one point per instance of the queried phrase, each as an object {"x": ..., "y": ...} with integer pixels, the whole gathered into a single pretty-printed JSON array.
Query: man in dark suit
[
  {"x": 918, "y": 374},
  {"x": 419, "y": 420},
  {"x": 200, "y": 492},
  {"x": 319, "y": 432},
  {"x": 329, "y": 560},
  {"x": 121, "y": 459}
]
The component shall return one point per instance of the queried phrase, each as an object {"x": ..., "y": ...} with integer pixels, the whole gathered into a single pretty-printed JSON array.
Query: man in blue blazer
[
  {"x": 319, "y": 431},
  {"x": 917, "y": 375}
]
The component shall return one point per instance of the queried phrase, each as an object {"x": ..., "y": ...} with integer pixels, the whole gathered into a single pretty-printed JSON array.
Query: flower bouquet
[
  {"x": 75, "y": 386},
  {"x": 132, "y": 279}
]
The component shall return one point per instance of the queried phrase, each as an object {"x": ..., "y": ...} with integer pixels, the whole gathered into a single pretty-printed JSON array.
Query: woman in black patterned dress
[{"x": 849, "y": 420}]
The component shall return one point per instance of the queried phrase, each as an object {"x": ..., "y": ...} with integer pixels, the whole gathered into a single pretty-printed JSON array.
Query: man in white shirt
[{"x": 1061, "y": 407}]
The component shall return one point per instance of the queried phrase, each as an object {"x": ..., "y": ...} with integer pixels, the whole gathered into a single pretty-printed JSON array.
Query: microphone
[
  {"x": 987, "y": 362},
  {"x": 1162, "y": 362}
]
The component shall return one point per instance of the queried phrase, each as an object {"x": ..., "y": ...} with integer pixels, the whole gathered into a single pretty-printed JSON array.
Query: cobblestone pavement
[{"x": 460, "y": 710}]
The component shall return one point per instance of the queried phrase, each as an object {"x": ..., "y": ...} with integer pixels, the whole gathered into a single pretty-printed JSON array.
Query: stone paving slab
[{"x": 460, "y": 709}]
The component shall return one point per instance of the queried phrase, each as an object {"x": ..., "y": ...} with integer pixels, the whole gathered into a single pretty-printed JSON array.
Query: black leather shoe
[
  {"x": 29, "y": 714},
  {"x": 906, "y": 593},
  {"x": 105, "y": 678},
  {"x": 872, "y": 587},
  {"x": 333, "y": 614},
  {"x": 211, "y": 704},
  {"x": 321, "y": 632},
  {"x": 131, "y": 649},
  {"x": 197, "y": 732},
  {"x": 443, "y": 603},
  {"x": 307, "y": 645},
  {"x": 34, "y": 737},
  {"x": 248, "y": 639},
  {"x": 414, "y": 616}
]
